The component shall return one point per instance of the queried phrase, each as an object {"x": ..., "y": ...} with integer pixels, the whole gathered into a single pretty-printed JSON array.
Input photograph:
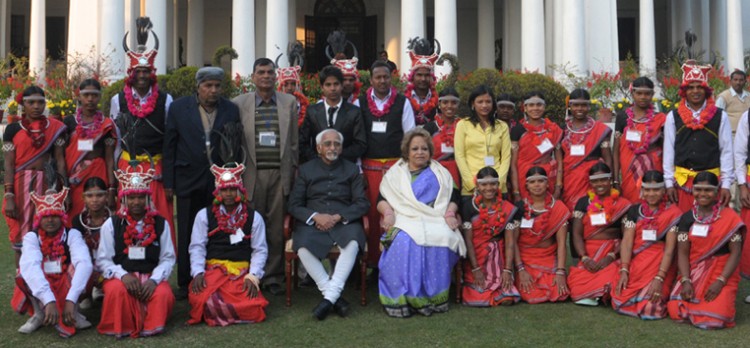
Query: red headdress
[
  {"x": 692, "y": 72},
  {"x": 348, "y": 66},
  {"x": 51, "y": 204},
  {"x": 141, "y": 58},
  {"x": 422, "y": 55},
  {"x": 228, "y": 177}
]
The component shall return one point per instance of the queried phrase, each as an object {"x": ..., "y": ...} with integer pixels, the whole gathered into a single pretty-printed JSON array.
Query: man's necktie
[{"x": 331, "y": 111}]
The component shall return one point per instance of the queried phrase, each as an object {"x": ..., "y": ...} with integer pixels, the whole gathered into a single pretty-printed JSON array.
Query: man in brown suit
[{"x": 271, "y": 136}]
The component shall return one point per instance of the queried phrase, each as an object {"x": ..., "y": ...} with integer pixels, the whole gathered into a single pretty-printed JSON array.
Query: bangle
[
  {"x": 613, "y": 255},
  {"x": 9, "y": 194},
  {"x": 659, "y": 279},
  {"x": 624, "y": 270},
  {"x": 477, "y": 268},
  {"x": 559, "y": 185},
  {"x": 615, "y": 182},
  {"x": 685, "y": 279},
  {"x": 585, "y": 258},
  {"x": 722, "y": 279},
  {"x": 562, "y": 273},
  {"x": 505, "y": 270},
  {"x": 516, "y": 192},
  {"x": 112, "y": 189}
]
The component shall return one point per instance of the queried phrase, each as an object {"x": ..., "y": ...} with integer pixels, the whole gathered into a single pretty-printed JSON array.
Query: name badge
[
  {"x": 236, "y": 237},
  {"x": 578, "y": 150},
  {"x": 267, "y": 138},
  {"x": 545, "y": 146},
  {"x": 85, "y": 144},
  {"x": 489, "y": 161},
  {"x": 649, "y": 235},
  {"x": 379, "y": 127},
  {"x": 446, "y": 149},
  {"x": 136, "y": 253},
  {"x": 527, "y": 223},
  {"x": 633, "y": 135},
  {"x": 52, "y": 267},
  {"x": 699, "y": 230},
  {"x": 598, "y": 219}
]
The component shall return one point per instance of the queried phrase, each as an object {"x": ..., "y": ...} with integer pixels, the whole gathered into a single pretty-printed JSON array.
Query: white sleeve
[
  {"x": 167, "y": 103},
  {"x": 669, "y": 135},
  {"x": 407, "y": 117},
  {"x": 260, "y": 246},
  {"x": 166, "y": 256},
  {"x": 32, "y": 271},
  {"x": 106, "y": 252},
  {"x": 81, "y": 260},
  {"x": 114, "y": 106},
  {"x": 198, "y": 240},
  {"x": 740, "y": 150},
  {"x": 721, "y": 103},
  {"x": 725, "y": 145}
]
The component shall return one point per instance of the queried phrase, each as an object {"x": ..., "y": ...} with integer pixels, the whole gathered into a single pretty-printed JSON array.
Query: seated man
[
  {"x": 135, "y": 256},
  {"x": 327, "y": 200},
  {"x": 55, "y": 266},
  {"x": 228, "y": 252}
]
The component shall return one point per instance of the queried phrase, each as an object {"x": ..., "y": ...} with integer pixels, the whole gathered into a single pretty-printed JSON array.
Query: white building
[{"x": 583, "y": 35}]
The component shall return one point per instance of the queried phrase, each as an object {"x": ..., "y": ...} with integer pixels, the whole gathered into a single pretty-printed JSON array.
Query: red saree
[
  {"x": 489, "y": 248},
  {"x": 59, "y": 284},
  {"x": 541, "y": 263},
  {"x": 27, "y": 180},
  {"x": 223, "y": 302},
  {"x": 705, "y": 267},
  {"x": 633, "y": 166},
  {"x": 644, "y": 266},
  {"x": 124, "y": 315},
  {"x": 576, "y": 168},
  {"x": 446, "y": 158},
  {"x": 80, "y": 170},
  {"x": 529, "y": 155},
  {"x": 584, "y": 284}
]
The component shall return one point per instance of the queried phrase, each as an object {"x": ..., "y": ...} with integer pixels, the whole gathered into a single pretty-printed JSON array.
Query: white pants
[{"x": 330, "y": 286}]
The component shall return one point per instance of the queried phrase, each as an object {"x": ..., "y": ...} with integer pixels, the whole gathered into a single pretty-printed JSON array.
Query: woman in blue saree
[{"x": 421, "y": 243}]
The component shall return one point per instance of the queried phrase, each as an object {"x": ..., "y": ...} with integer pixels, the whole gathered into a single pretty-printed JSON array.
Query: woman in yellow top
[{"x": 481, "y": 141}]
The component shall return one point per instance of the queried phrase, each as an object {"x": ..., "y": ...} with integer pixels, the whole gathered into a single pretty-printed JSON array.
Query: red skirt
[
  {"x": 223, "y": 302},
  {"x": 124, "y": 315},
  {"x": 633, "y": 299},
  {"x": 25, "y": 181},
  {"x": 60, "y": 285},
  {"x": 541, "y": 263},
  {"x": 586, "y": 285},
  {"x": 490, "y": 257}
]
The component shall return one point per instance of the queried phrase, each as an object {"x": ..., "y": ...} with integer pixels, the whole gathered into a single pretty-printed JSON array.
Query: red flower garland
[
  {"x": 135, "y": 105},
  {"x": 448, "y": 131},
  {"x": 705, "y": 116},
  {"x": 539, "y": 133},
  {"x": 224, "y": 220},
  {"x": 493, "y": 217},
  {"x": 386, "y": 108},
  {"x": 146, "y": 237},
  {"x": 53, "y": 248},
  {"x": 643, "y": 146},
  {"x": 303, "y": 104},
  {"x": 596, "y": 205},
  {"x": 421, "y": 110},
  {"x": 90, "y": 130},
  {"x": 650, "y": 215}
]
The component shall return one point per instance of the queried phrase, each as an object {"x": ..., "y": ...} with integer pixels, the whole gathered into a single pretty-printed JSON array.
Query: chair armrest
[
  {"x": 366, "y": 225},
  {"x": 287, "y": 227}
]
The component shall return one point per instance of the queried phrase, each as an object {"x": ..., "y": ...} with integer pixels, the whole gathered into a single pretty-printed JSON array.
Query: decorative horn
[
  {"x": 437, "y": 47},
  {"x": 276, "y": 62},
  {"x": 328, "y": 52},
  {"x": 354, "y": 48},
  {"x": 125, "y": 42},
  {"x": 156, "y": 41}
]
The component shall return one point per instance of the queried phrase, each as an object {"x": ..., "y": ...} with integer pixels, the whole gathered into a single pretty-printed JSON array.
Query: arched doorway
[{"x": 346, "y": 15}]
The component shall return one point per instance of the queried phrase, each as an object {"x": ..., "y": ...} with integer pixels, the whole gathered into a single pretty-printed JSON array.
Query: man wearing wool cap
[{"x": 193, "y": 128}]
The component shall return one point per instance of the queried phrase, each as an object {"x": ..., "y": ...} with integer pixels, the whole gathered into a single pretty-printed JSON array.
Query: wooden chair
[{"x": 290, "y": 260}]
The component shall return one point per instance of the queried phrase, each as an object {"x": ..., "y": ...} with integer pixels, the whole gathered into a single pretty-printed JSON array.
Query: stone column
[
  {"x": 719, "y": 31},
  {"x": 412, "y": 25},
  {"x": 243, "y": 36},
  {"x": 195, "y": 33},
  {"x": 277, "y": 30},
  {"x": 735, "y": 56},
  {"x": 486, "y": 34},
  {"x": 532, "y": 36},
  {"x": 110, "y": 40},
  {"x": 156, "y": 10},
  {"x": 574, "y": 37},
  {"x": 38, "y": 40},
  {"x": 446, "y": 31},
  {"x": 647, "y": 38},
  {"x": 392, "y": 32}
]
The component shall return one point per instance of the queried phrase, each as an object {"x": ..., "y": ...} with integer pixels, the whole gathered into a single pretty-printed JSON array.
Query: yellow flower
[
  {"x": 619, "y": 105},
  {"x": 654, "y": 99},
  {"x": 12, "y": 103},
  {"x": 62, "y": 113}
]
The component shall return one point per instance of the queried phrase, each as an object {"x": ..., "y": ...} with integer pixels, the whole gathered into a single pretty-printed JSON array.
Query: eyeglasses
[{"x": 331, "y": 143}]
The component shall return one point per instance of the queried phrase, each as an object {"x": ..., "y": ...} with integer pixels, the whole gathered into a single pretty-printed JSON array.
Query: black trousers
[{"x": 187, "y": 208}]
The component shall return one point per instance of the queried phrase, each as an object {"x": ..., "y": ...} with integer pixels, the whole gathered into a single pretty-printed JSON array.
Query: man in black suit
[
  {"x": 191, "y": 130},
  {"x": 334, "y": 112}
]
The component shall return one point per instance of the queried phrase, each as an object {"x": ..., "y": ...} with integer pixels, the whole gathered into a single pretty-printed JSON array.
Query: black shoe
[
  {"x": 341, "y": 307},
  {"x": 322, "y": 309},
  {"x": 308, "y": 281},
  {"x": 181, "y": 294},
  {"x": 275, "y": 289}
]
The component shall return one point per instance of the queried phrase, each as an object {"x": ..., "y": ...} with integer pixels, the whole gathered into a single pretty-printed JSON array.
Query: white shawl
[{"x": 424, "y": 224}]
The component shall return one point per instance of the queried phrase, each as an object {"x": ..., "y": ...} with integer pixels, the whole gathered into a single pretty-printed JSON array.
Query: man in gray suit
[
  {"x": 270, "y": 122},
  {"x": 328, "y": 201}
]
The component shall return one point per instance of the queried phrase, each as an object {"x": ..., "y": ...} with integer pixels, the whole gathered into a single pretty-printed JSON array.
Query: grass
[{"x": 521, "y": 325}]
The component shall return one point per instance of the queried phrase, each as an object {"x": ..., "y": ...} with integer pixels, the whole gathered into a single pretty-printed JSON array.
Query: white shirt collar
[
  {"x": 138, "y": 97},
  {"x": 742, "y": 96},
  {"x": 338, "y": 106},
  {"x": 375, "y": 96},
  {"x": 696, "y": 113}
]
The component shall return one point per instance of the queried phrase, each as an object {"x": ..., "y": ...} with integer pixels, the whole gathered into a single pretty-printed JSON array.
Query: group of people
[{"x": 647, "y": 206}]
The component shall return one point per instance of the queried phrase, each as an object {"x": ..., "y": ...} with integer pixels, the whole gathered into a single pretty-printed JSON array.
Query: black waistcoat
[
  {"x": 388, "y": 144},
  {"x": 152, "y": 251},
  {"x": 146, "y": 137},
  {"x": 219, "y": 246},
  {"x": 697, "y": 150}
]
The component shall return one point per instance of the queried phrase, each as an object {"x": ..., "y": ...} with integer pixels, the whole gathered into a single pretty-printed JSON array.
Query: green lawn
[{"x": 521, "y": 325}]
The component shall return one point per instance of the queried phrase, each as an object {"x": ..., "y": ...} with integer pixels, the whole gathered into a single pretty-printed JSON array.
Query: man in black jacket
[
  {"x": 333, "y": 112},
  {"x": 191, "y": 131}
]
